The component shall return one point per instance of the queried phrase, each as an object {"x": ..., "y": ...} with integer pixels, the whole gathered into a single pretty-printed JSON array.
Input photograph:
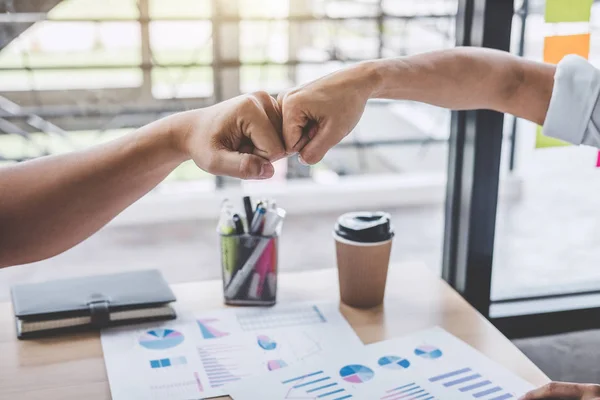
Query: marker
[
  {"x": 248, "y": 209},
  {"x": 228, "y": 249},
  {"x": 260, "y": 272}
]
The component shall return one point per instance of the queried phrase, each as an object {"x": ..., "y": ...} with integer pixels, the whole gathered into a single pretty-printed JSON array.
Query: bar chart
[
  {"x": 472, "y": 383},
  {"x": 315, "y": 385},
  {"x": 168, "y": 362},
  {"x": 222, "y": 364},
  {"x": 409, "y": 391}
]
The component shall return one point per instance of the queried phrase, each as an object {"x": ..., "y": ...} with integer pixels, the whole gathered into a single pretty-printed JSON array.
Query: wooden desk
[{"x": 73, "y": 368}]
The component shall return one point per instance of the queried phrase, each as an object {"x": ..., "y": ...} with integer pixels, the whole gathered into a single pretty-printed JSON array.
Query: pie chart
[
  {"x": 427, "y": 351},
  {"x": 393, "y": 362},
  {"x": 160, "y": 339},
  {"x": 356, "y": 373},
  {"x": 266, "y": 342}
]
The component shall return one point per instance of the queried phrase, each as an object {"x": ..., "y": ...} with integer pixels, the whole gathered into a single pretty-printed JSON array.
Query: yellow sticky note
[
  {"x": 542, "y": 141},
  {"x": 556, "y": 47},
  {"x": 568, "y": 10}
]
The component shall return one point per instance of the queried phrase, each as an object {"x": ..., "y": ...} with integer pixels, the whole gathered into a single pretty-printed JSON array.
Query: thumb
[
  {"x": 281, "y": 97},
  {"x": 556, "y": 390},
  {"x": 240, "y": 165},
  {"x": 294, "y": 122}
]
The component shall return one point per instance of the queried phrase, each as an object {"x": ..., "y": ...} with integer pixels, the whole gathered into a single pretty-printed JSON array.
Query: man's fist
[
  {"x": 240, "y": 137},
  {"x": 318, "y": 115}
]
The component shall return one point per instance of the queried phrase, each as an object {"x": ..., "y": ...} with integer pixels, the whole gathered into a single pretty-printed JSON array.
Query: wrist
[
  {"x": 164, "y": 139},
  {"x": 370, "y": 77},
  {"x": 179, "y": 128}
]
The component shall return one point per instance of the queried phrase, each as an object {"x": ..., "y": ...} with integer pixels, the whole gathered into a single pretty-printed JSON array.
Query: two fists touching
[{"x": 243, "y": 136}]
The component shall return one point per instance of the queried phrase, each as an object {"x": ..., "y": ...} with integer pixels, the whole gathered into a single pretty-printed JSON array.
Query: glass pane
[
  {"x": 394, "y": 160},
  {"x": 70, "y": 79},
  {"x": 262, "y": 8},
  {"x": 78, "y": 9},
  {"x": 174, "y": 82},
  {"x": 428, "y": 34},
  {"x": 546, "y": 230},
  {"x": 421, "y": 8},
  {"x": 181, "y": 42},
  {"x": 272, "y": 78},
  {"x": 180, "y": 9},
  {"x": 348, "y": 8},
  {"x": 264, "y": 41},
  {"x": 72, "y": 44}
]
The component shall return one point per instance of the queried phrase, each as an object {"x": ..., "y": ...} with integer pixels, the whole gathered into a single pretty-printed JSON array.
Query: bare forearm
[
  {"x": 466, "y": 78},
  {"x": 52, "y": 203}
]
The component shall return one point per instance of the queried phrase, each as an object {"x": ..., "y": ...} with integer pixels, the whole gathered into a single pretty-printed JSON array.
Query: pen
[
  {"x": 239, "y": 226},
  {"x": 257, "y": 220},
  {"x": 258, "y": 205},
  {"x": 248, "y": 209}
]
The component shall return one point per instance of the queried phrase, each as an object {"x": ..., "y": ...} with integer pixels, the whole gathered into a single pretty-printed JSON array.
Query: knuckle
[
  {"x": 278, "y": 153},
  {"x": 527, "y": 396},
  {"x": 249, "y": 104},
  {"x": 289, "y": 101},
  {"x": 245, "y": 169},
  {"x": 281, "y": 96},
  {"x": 262, "y": 96},
  {"x": 211, "y": 162},
  {"x": 593, "y": 389},
  {"x": 551, "y": 387}
]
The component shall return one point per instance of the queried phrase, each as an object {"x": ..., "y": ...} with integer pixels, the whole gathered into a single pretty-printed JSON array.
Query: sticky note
[
  {"x": 542, "y": 141},
  {"x": 598, "y": 160},
  {"x": 556, "y": 47},
  {"x": 568, "y": 10}
]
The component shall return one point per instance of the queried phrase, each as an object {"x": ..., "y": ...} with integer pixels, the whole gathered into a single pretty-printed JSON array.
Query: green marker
[{"x": 228, "y": 249}]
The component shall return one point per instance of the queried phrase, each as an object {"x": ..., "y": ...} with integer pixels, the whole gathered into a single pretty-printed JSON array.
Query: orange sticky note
[{"x": 556, "y": 47}]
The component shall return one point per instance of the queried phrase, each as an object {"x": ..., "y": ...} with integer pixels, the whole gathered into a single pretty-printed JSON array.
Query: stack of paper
[
  {"x": 427, "y": 365},
  {"x": 198, "y": 356},
  {"x": 298, "y": 351}
]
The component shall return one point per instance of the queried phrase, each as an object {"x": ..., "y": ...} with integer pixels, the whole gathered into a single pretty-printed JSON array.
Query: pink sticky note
[{"x": 598, "y": 160}]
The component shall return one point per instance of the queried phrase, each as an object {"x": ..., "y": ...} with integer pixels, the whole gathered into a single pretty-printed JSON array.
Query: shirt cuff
[{"x": 574, "y": 96}]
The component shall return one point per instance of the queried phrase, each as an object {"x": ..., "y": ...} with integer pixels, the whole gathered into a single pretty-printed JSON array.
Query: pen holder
[{"x": 249, "y": 268}]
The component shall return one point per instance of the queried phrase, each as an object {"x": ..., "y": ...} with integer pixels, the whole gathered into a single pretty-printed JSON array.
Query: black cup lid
[{"x": 365, "y": 226}]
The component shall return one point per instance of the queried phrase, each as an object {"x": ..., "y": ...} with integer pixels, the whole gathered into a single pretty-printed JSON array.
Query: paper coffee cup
[{"x": 363, "y": 247}]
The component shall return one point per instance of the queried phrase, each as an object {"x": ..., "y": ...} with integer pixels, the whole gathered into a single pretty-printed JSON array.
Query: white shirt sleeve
[{"x": 574, "y": 112}]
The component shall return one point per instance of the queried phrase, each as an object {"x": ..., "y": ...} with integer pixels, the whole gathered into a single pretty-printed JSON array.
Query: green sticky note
[
  {"x": 542, "y": 141},
  {"x": 568, "y": 10}
]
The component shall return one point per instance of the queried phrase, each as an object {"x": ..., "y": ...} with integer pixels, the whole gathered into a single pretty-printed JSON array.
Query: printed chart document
[
  {"x": 428, "y": 365},
  {"x": 196, "y": 357}
]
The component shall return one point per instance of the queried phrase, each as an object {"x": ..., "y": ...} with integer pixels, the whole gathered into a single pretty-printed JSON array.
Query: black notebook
[{"x": 91, "y": 303}]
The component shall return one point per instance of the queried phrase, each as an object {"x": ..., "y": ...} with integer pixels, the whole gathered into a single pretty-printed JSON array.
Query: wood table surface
[{"x": 72, "y": 367}]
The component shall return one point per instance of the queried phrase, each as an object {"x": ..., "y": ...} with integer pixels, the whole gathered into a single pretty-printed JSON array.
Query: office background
[{"x": 511, "y": 227}]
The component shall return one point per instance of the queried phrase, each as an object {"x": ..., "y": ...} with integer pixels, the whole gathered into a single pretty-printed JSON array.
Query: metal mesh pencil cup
[{"x": 249, "y": 269}]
